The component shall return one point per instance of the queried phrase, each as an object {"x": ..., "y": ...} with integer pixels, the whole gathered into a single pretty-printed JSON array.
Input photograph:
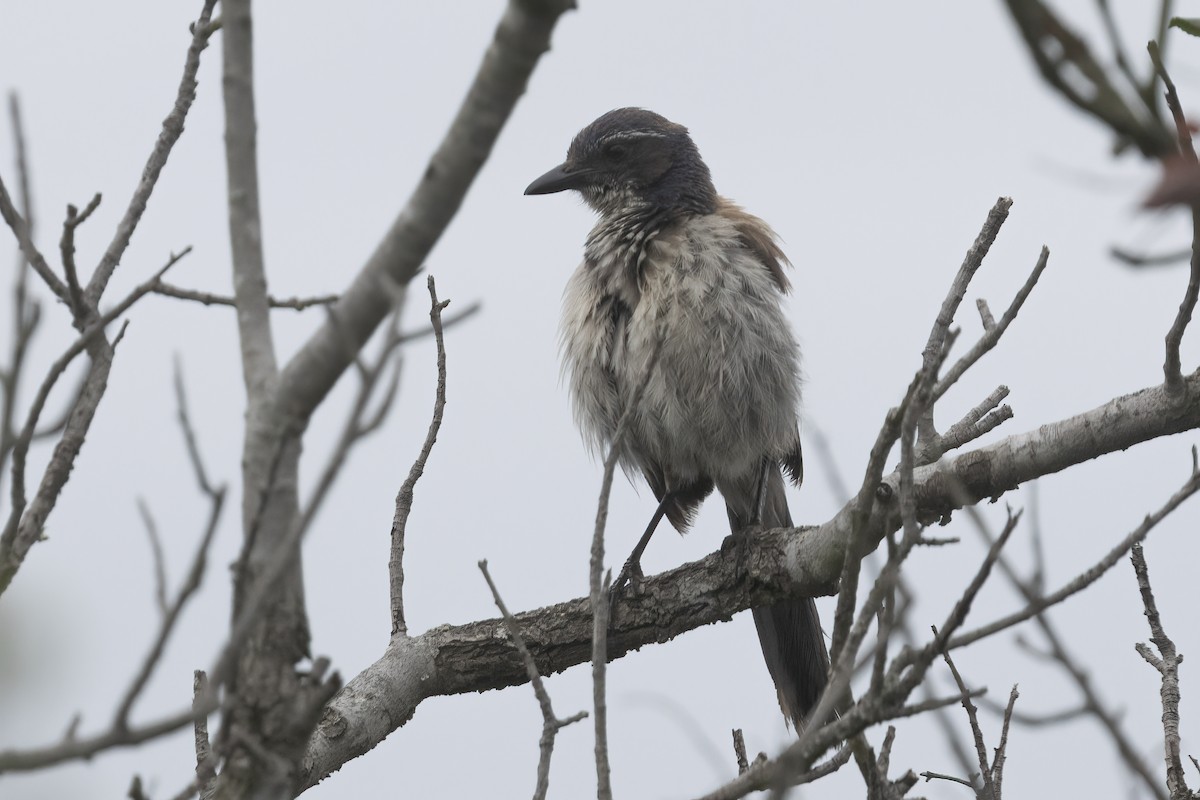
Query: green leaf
[{"x": 1189, "y": 25}]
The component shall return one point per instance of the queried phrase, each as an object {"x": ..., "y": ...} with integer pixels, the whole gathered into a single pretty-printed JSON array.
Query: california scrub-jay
[{"x": 670, "y": 257}]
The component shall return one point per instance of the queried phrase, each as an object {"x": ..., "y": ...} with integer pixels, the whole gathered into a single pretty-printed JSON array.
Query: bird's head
[{"x": 631, "y": 159}]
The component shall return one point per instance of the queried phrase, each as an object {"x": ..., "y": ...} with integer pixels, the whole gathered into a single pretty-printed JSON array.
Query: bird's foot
[
  {"x": 630, "y": 577},
  {"x": 737, "y": 546}
]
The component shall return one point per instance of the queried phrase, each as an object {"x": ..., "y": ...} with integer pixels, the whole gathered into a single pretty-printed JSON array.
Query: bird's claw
[
  {"x": 629, "y": 577},
  {"x": 737, "y": 545}
]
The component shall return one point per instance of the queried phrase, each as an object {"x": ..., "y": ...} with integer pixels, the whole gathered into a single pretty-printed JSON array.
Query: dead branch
[
  {"x": 522, "y": 36},
  {"x": 404, "y": 499},
  {"x": 551, "y": 724},
  {"x": 1167, "y": 663},
  {"x": 211, "y": 299},
  {"x": 202, "y": 30},
  {"x": 25, "y": 523},
  {"x": 465, "y": 658}
]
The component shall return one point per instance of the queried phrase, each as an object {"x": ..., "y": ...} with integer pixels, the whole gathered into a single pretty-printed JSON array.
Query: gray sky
[{"x": 873, "y": 137}]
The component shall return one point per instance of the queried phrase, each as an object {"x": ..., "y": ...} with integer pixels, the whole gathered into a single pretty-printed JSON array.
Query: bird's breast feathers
[{"x": 707, "y": 289}]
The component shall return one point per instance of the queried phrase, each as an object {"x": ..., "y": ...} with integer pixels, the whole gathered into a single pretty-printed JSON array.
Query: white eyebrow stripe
[{"x": 638, "y": 134}]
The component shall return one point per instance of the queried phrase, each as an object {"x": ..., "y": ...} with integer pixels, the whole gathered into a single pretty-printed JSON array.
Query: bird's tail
[{"x": 790, "y": 631}]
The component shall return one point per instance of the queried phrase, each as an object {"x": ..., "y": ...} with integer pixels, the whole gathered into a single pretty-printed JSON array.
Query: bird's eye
[{"x": 615, "y": 151}]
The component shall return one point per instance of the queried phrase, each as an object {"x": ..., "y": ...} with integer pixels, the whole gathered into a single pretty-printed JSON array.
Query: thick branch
[
  {"x": 245, "y": 222},
  {"x": 474, "y": 657},
  {"x": 521, "y": 38}
]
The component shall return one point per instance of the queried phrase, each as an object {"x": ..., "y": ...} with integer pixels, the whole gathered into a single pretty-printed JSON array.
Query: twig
[
  {"x": 1167, "y": 664},
  {"x": 25, "y": 525},
  {"x": 599, "y": 585},
  {"x": 550, "y": 723},
  {"x": 929, "y": 776},
  {"x": 1037, "y": 720},
  {"x": 211, "y": 299},
  {"x": 71, "y": 749},
  {"x": 33, "y": 256},
  {"x": 404, "y": 498},
  {"x": 980, "y": 420},
  {"x": 359, "y": 423},
  {"x": 521, "y": 38},
  {"x": 1093, "y": 703},
  {"x": 1002, "y": 750},
  {"x": 1171, "y": 365},
  {"x": 195, "y": 575},
  {"x": 739, "y": 751},
  {"x": 191, "y": 584},
  {"x": 985, "y": 769},
  {"x": 26, "y": 313},
  {"x": 78, "y": 305},
  {"x": 189, "y": 432},
  {"x": 160, "y": 569},
  {"x": 172, "y": 128},
  {"x": 992, "y": 334},
  {"x": 1149, "y": 260},
  {"x": 206, "y": 773},
  {"x": 1088, "y": 577},
  {"x": 1068, "y": 65},
  {"x": 1183, "y": 131}
]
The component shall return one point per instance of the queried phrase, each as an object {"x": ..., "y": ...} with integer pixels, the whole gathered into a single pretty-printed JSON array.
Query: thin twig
[
  {"x": 70, "y": 749},
  {"x": 78, "y": 305},
  {"x": 1058, "y": 653},
  {"x": 211, "y": 299},
  {"x": 739, "y": 751},
  {"x": 1088, "y": 577},
  {"x": 172, "y": 127},
  {"x": 160, "y": 568},
  {"x": 1183, "y": 131},
  {"x": 992, "y": 334},
  {"x": 404, "y": 498},
  {"x": 599, "y": 585},
  {"x": 985, "y": 769},
  {"x": 191, "y": 584},
  {"x": 206, "y": 773},
  {"x": 1167, "y": 664},
  {"x": 1150, "y": 260},
  {"x": 24, "y": 526},
  {"x": 550, "y": 723},
  {"x": 1002, "y": 750}
]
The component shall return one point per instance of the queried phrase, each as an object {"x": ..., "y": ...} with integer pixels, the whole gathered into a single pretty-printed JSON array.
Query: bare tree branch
[
  {"x": 1167, "y": 664},
  {"x": 1068, "y": 65},
  {"x": 521, "y": 38},
  {"x": 160, "y": 567},
  {"x": 245, "y": 221},
  {"x": 985, "y": 770},
  {"x": 1088, "y": 577},
  {"x": 202, "y": 30},
  {"x": 551, "y": 724},
  {"x": 992, "y": 333},
  {"x": 210, "y": 299},
  {"x": 26, "y": 313},
  {"x": 206, "y": 772},
  {"x": 454, "y": 659},
  {"x": 404, "y": 499},
  {"x": 77, "y": 304},
  {"x": 25, "y": 524},
  {"x": 73, "y": 748}
]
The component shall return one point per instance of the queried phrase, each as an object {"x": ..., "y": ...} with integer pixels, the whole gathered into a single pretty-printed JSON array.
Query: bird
[{"x": 677, "y": 304}]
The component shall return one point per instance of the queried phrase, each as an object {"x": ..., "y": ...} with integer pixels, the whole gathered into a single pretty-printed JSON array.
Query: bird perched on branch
[{"x": 676, "y": 272}]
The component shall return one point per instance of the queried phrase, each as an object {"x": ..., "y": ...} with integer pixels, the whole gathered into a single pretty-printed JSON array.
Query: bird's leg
[
  {"x": 739, "y": 540},
  {"x": 760, "y": 494},
  {"x": 632, "y": 571}
]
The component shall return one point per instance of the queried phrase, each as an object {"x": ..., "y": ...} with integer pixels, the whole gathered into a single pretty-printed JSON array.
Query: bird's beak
[{"x": 561, "y": 177}]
